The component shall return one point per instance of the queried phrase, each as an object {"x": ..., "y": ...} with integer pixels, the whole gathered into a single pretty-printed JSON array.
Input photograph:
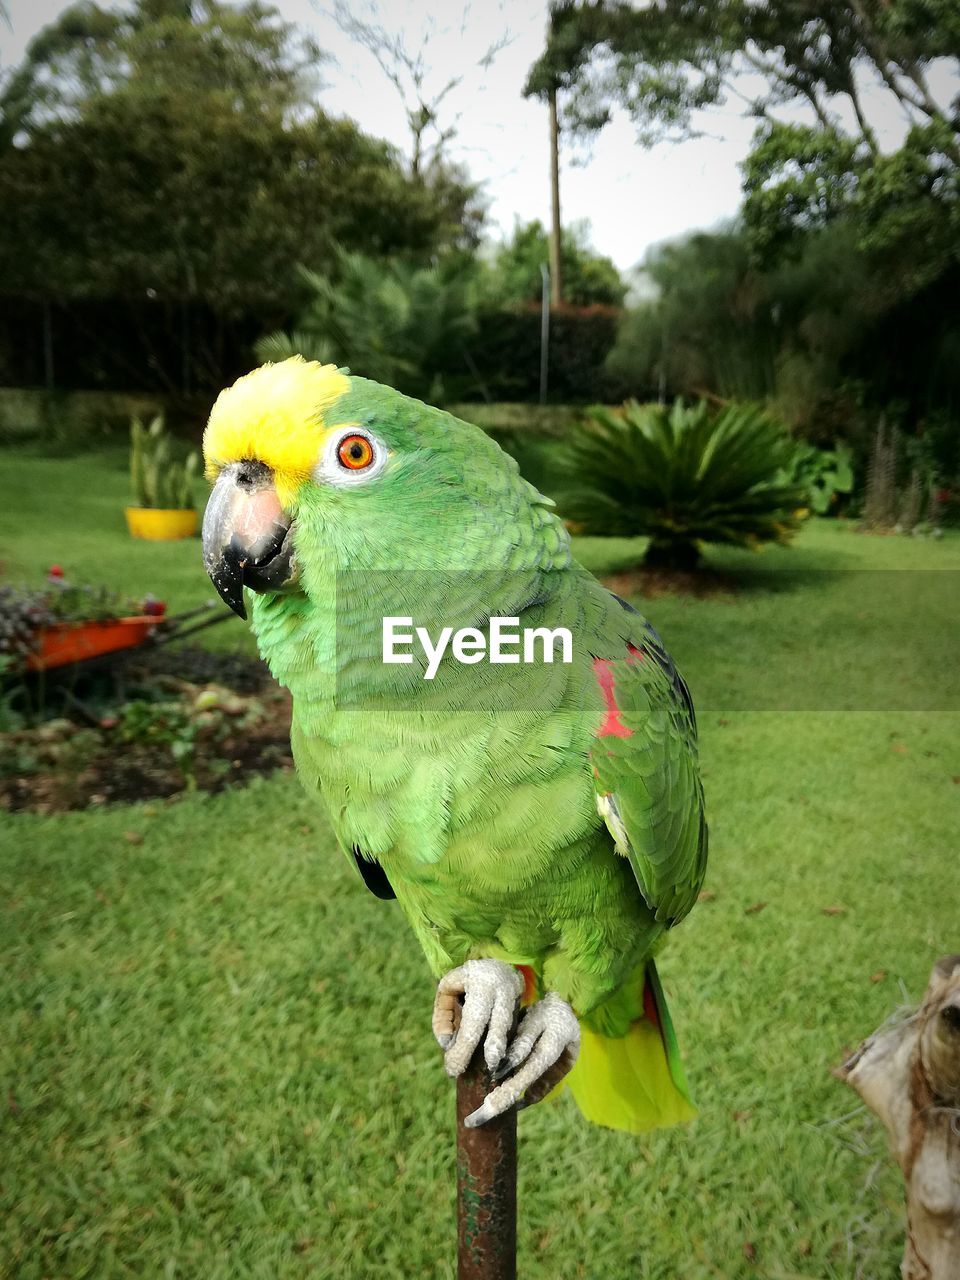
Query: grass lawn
[{"x": 215, "y": 1045}]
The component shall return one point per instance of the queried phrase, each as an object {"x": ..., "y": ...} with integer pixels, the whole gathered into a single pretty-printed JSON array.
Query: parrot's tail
[{"x": 636, "y": 1081}]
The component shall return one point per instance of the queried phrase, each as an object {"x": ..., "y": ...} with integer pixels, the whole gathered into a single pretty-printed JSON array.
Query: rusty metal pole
[{"x": 486, "y": 1184}]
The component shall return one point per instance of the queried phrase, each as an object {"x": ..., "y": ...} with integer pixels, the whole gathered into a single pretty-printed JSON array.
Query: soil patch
[
  {"x": 176, "y": 726},
  {"x": 704, "y": 584}
]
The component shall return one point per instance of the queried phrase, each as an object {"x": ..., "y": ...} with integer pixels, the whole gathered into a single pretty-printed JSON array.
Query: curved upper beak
[{"x": 247, "y": 536}]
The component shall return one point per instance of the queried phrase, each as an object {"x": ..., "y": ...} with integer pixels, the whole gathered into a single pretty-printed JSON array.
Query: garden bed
[{"x": 186, "y": 720}]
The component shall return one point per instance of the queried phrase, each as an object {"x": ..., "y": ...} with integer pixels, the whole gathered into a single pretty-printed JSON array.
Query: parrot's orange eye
[{"x": 355, "y": 453}]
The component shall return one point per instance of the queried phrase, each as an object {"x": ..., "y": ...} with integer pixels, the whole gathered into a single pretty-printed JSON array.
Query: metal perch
[{"x": 486, "y": 1184}]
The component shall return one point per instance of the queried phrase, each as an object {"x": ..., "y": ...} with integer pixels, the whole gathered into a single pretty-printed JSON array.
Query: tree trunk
[
  {"x": 684, "y": 556},
  {"x": 48, "y": 379},
  {"x": 908, "y": 1073},
  {"x": 556, "y": 266}
]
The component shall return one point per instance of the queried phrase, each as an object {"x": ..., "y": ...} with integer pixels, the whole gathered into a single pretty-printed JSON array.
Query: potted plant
[
  {"x": 162, "y": 487},
  {"x": 60, "y": 624}
]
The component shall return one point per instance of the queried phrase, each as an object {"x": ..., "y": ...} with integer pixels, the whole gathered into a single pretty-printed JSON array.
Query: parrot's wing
[
  {"x": 371, "y": 871},
  {"x": 644, "y": 762},
  {"x": 374, "y": 876}
]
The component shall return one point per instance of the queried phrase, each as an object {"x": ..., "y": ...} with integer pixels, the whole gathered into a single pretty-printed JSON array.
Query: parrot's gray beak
[{"x": 247, "y": 537}]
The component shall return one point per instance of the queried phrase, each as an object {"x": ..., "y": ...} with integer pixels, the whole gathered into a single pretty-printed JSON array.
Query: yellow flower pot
[{"x": 161, "y": 524}]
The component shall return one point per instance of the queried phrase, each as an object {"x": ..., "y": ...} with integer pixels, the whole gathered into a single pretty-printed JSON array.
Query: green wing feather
[{"x": 645, "y": 769}]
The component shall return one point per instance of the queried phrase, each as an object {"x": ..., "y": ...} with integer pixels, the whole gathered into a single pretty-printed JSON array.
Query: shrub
[
  {"x": 683, "y": 475},
  {"x": 902, "y": 492},
  {"x": 824, "y": 473},
  {"x": 505, "y": 354},
  {"x": 430, "y": 332},
  {"x": 514, "y": 274}
]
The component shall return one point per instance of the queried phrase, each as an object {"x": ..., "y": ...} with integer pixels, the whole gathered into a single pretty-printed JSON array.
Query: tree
[
  {"x": 423, "y": 89},
  {"x": 664, "y": 61},
  {"x": 709, "y": 329},
  {"x": 590, "y": 277},
  {"x": 601, "y": 54},
  {"x": 556, "y": 222},
  {"x": 820, "y": 334},
  {"x": 544, "y": 83},
  {"x": 567, "y": 74},
  {"x": 174, "y": 154},
  {"x": 141, "y": 197},
  {"x": 424, "y": 81},
  {"x": 242, "y": 59}
]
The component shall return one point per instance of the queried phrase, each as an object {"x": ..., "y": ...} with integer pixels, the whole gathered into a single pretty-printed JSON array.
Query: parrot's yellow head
[
  {"x": 316, "y": 471},
  {"x": 275, "y": 415}
]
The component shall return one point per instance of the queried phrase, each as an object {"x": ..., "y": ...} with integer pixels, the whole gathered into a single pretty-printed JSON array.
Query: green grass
[
  {"x": 215, "y": 1044},
  {"x": 838, "y": 620}
]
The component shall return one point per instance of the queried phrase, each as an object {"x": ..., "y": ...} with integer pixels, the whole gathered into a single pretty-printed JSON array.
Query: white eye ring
[{"x": 330, "y": 470}]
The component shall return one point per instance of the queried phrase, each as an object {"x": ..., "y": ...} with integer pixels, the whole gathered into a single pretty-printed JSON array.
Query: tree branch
[
  {"x": 408, "y": 73},
  {"x": 869, "y": 137},
  {"x": 782, "y": 75},
  {"x": 884, "y": 62}
]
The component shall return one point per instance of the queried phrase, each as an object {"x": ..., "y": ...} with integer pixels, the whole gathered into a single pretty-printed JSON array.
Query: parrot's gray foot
[
  {"x": 490, "y": 990},
  {"x": 542, "y": 1052}
]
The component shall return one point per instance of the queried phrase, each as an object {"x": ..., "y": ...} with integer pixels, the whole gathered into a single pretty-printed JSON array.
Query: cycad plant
[{"x": 683, "y": 475}]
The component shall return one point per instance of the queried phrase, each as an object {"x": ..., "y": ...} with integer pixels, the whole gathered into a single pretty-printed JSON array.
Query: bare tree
[{"x": 424, "y": 89}]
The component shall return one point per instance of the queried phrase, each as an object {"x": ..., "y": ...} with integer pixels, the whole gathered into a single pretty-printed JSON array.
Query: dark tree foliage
[
  {"x": 588, "y": 277},
  {"x": 442, "y": 332},
  {"x": 820, "y": 334},
  {"x": 835, "y": 299},
  {"x": 243, "y": 59},
  {"x": 172, "y": 157},
  {"x": 505, "y": 355},
  {"x": 141, "y": 196},
  {"x": 657, "y": 67}
]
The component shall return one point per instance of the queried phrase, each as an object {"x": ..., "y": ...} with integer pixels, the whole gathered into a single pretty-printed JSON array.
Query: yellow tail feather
[{"x": 624, "y": 1082}]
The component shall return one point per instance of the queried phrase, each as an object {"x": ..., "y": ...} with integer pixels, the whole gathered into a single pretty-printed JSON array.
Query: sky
[{"x": 631, "y": 196}]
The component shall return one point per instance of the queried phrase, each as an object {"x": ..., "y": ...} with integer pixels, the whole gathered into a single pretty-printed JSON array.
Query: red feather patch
[
  {"x": 650, "y": 1011},
  {"x": 613, "y": 726},
  {"x": 529, "y": 984}
]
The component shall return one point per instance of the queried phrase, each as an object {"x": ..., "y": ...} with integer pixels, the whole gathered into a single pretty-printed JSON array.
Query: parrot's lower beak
[{"x": 247, "y": 537}]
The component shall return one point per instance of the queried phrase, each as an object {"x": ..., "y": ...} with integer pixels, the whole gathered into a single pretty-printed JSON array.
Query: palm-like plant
[
  {"x": 683, "y": 475},
  {"x": 387, "y": 320},
  {"x": 282, "y": 344}
]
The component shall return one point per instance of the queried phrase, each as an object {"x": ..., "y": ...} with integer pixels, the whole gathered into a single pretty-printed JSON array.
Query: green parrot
[{"x": 540, "y": 822}]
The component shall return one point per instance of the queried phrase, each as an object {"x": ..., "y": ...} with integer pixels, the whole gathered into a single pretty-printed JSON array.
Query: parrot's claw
[
  {"x": 543, "y": 1051},
  {"x": 490, "y": 991},
  {"x": 540, "y": 1055}
]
